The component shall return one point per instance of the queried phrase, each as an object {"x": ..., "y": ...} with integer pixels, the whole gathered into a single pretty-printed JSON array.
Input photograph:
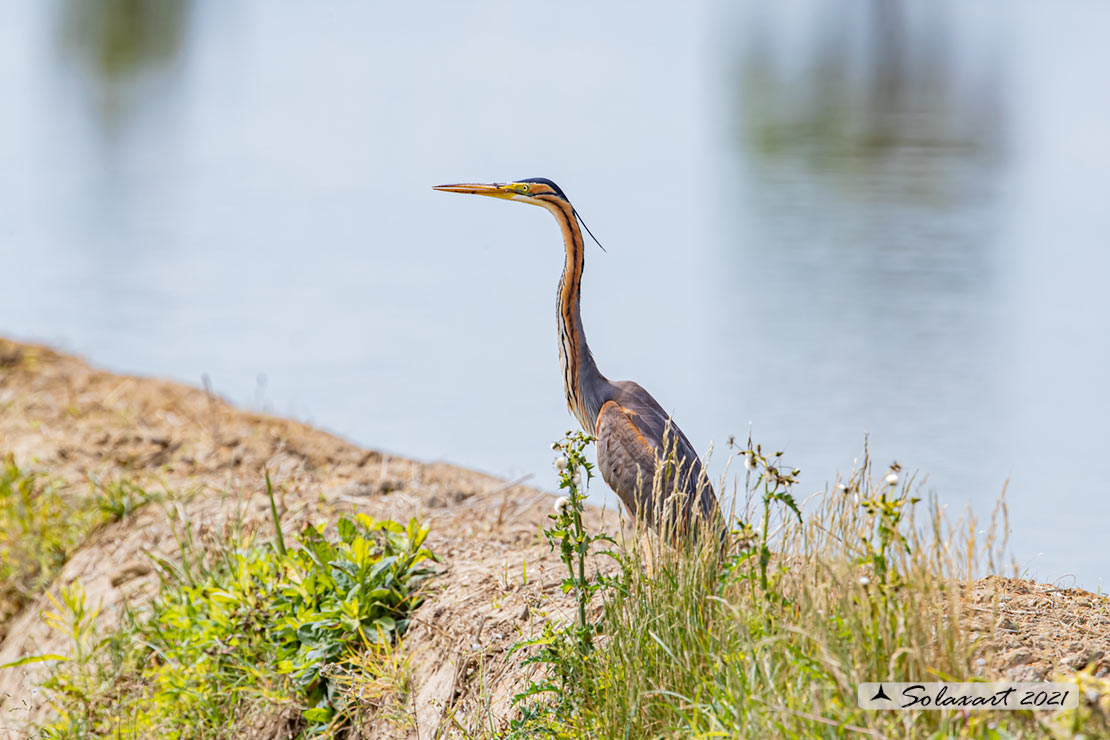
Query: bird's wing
[
  {"x": 630, "y": 432},
  {"x": 626, "y": 458}
]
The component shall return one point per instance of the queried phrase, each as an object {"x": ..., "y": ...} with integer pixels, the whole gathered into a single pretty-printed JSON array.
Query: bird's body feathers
[{"x": 634, "y": 437}]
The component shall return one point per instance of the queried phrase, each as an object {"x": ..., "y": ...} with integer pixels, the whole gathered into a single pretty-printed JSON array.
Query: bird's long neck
[{"x": 584, "y": 384}]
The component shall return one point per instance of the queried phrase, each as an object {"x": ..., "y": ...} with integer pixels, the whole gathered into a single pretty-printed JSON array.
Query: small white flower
[
  {"x": 561, "y": 504},
  {"x": 841, "y": 487},
  {"x": 749, "y": 461},
  {"x": 577, "y": 477},
  {"x": 864, "y": 580},
  {"x": 554, "y": 445},
  {"x": 561, "y": 462},
  {"x": 891, "y": 479}
]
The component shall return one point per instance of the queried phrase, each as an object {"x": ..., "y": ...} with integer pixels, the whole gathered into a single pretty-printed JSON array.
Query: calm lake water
[{"x": 825, "y": 220}]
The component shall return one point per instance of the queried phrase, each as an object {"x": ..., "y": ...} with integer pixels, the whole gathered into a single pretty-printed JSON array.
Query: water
[{"x": 827, "y": 221}]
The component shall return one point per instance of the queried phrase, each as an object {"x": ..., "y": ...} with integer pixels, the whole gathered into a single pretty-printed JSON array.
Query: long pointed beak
[{"x": 494, "y": 190}]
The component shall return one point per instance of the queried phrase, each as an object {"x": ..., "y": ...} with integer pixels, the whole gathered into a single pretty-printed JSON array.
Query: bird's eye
[{"x": 525, "y": 188}]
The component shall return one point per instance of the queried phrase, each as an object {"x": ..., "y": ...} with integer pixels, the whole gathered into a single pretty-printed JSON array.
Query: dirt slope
[{"x": 59, "y": 415}]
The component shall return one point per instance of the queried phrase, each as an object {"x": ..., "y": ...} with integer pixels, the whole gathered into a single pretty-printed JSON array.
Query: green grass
[
  {"x": 42, "y": 523},
  {"x": 771, "y": 640},
  {"x": 118, "y": 499},
  {"x": 669, "y": 640},
  {"x": 244, "y": 629},
  {"x": 40, "y": 527}
]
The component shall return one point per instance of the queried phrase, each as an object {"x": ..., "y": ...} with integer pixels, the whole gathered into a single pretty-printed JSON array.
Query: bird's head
[{"x": 538, "y": 191}]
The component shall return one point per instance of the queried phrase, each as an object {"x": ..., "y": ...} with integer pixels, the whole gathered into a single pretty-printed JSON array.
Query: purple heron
[{"x": 635, "y": 436}]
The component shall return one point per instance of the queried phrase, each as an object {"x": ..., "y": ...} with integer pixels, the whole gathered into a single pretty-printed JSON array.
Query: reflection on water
[
  {"x": 874, "y": 167},
  {"x": 120, "y": 48},
  {"x": 868, "y": 114},
  {"x": 867, "y": 83},
  {"x": 873, "y": 148},
  {"x": 874, "y": 217},
  {"x": 865, "y": 134},
  {"x": 890, "y": 218}
]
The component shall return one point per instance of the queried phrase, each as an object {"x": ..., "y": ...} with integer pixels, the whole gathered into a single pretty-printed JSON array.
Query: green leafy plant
[
  {"x": 565, "y": 648},
  {"x": 249, "y": 625},
  {"x": 567, "y": 532},
  {"x": 766, "y": 475}
]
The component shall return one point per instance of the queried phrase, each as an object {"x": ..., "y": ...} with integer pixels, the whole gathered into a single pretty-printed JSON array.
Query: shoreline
[{"x": 77, "y": 423}]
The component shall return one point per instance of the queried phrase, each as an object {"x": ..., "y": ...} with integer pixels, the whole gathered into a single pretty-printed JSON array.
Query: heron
[{"x": 635, "y": 437}]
